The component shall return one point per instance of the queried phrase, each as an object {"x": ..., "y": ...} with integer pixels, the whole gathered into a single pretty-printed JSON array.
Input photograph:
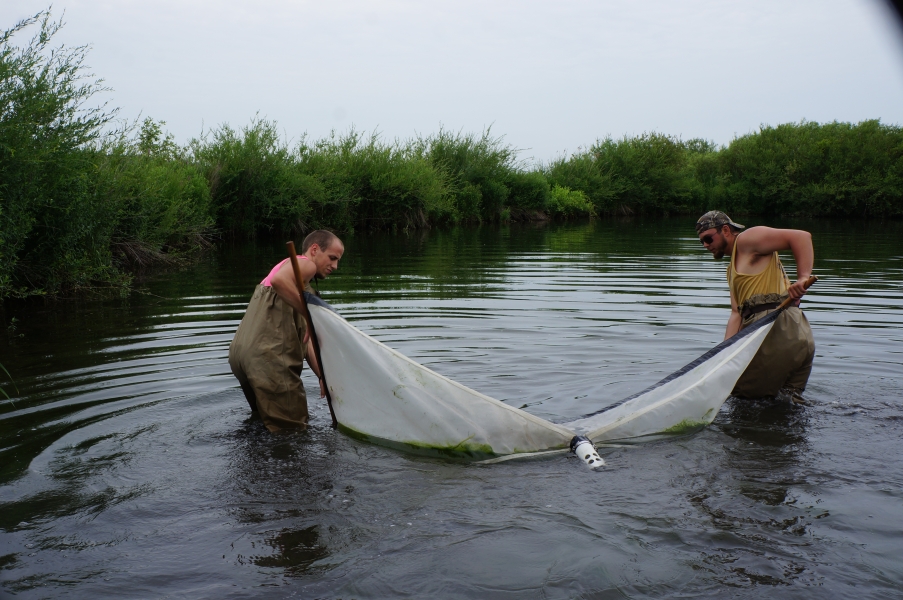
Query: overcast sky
[{"x": 549, "y": 76}]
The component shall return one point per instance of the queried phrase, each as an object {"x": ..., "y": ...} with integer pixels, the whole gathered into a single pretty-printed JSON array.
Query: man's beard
[{"x": 718, "y": 254}]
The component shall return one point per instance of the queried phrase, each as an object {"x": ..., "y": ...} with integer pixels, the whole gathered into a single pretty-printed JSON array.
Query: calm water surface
[{"x": 130, "y": 465}]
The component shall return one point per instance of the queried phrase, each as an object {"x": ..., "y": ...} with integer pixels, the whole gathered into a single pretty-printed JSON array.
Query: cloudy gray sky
[{"x": 550, "y": 76}]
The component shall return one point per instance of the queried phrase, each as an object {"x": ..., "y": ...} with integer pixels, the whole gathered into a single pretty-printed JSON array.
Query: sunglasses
[{"x": 706, "y": 239}]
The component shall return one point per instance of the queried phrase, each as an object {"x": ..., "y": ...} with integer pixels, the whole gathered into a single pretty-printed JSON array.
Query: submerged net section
[{"x": 380, "y": 395}]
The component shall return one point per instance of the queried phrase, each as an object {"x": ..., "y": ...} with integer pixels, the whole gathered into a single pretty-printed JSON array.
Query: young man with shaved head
[
  {"x": 272, "y": 341},
  {"x": 758, "y": 283}
]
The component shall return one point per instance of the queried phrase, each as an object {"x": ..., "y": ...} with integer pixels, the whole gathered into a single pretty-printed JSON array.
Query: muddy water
[{"x": 130, "y": 466}]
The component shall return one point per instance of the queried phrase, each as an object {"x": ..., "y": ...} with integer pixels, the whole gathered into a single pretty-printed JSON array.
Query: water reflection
[
  {"x": 295, "y": 550},
  {"x": 752, "y": 495},
  {"x": 281, "y": 478},
  {"x": 771, "y": 436}
]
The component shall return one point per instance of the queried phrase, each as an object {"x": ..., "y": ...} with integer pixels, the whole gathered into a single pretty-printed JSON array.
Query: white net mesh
[{"x": 381, "y": 395}]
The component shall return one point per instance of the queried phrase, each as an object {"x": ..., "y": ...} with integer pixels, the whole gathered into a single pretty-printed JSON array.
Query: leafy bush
[
  {"x": 254, "y": 181},
  {"x": 48, "y": 217},
  {"x": 80, "y": 209},
  {"x": 528, "y": 190},
  {"x": 567, "y": 203},
  {"x": 159, "y": 200},
  {"x": 476, "y": 170},
  {"x": 835, "y": 169},
  {"x": 370, "y": 184},
  {"x": 648, "y": 173}
]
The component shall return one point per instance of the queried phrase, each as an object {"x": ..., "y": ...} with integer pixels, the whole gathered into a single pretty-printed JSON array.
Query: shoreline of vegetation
[{"x": 83, "y": 209}]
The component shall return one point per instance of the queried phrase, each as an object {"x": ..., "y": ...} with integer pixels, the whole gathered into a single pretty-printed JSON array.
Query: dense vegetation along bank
[{"x": 83, "y": 207}]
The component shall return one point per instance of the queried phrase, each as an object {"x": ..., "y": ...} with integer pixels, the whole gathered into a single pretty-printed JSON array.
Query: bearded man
[{"x": 758, "y": 284}]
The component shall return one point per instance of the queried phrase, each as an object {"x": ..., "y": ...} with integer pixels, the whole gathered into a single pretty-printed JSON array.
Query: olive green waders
[
  {"x": 266, "y": 355},
  {"x": 785, "y": 358}
]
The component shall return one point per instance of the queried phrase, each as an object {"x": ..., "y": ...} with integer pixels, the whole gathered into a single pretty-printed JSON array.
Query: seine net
[{"x": 380, "y": 395}]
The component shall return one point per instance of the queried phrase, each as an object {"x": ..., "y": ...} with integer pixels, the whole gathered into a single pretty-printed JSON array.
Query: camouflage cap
[{"x": 715, "y": 219}]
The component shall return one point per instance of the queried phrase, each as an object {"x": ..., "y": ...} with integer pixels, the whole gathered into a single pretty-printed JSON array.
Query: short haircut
[{"x": 321, "y": 238}]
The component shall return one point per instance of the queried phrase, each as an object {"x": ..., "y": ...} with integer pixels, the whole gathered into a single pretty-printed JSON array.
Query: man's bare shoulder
[{"x": 764, "y": 241}]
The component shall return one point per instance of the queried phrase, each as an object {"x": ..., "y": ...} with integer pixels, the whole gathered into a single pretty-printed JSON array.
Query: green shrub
[
  {"x": 580, "y": 172},
  {"x": 80, "y": 209},
  {"x": 370, "y": 184},
  {"x": 567, "y": 203},
  {"x": 647, "y": 174},
  {"x": 835, "y": 169},
  {"x": 50, "y": 221},
  {"x": 476, "y": 169},
  {"x": 159, "y": 200},
  {"x": 254, "y": 181},
  {"x": 528, "y": 190}
]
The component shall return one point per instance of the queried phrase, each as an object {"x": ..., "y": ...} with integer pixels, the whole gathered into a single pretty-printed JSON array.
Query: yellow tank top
[{"x": 773, "y": 280}]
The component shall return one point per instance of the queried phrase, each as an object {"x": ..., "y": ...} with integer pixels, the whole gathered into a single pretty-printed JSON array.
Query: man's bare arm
[
  {"x": 763, "y": 241},
  {"x": 314, "y": 365},
  {"x": 734, "y": 321}
]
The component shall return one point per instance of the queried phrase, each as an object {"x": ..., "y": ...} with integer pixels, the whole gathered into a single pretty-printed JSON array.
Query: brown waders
[
  {"x": 785, "y": 358},
  {"x": 266, "y": 355}
]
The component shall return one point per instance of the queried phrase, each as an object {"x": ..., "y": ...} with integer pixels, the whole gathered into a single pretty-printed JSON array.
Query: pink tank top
[{"x": 268, "y": 281}]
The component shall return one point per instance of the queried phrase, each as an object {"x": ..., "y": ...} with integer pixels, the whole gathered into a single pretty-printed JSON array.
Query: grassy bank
[{"x": 84, "y": 208}]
